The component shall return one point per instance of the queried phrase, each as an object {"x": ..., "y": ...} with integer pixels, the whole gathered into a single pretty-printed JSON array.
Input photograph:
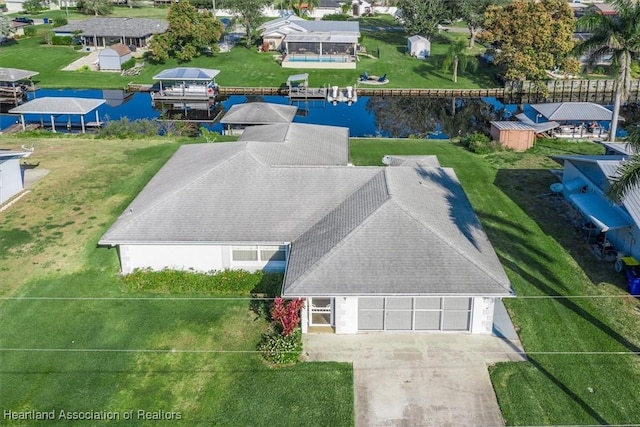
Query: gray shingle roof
[
  {"x": 353, "y": 230},
  {"x": 300, "y": 28},
  {"x": 223, "y": 193},
  {"x": 259, "y": 113},
  {"x": 424, "y": 239},
  {"x": 116, "y": 27},
  {"x": 15, "y": 74},
  {"x": 299, "y": 144},
  {"x": 323, "y": 236}
]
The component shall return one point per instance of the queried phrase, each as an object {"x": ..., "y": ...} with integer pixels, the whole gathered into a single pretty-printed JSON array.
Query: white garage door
[{"x": 414, "y": 314}]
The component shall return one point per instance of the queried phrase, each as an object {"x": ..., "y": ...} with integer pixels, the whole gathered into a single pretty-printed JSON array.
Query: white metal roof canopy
[{"x": 56, "y": 106}]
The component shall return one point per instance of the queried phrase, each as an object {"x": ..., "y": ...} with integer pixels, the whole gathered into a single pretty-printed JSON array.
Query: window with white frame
[{"x": 259, "y": 253}]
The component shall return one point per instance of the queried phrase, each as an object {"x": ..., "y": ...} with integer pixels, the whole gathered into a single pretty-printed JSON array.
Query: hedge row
[{"x": 229, "y": 282}]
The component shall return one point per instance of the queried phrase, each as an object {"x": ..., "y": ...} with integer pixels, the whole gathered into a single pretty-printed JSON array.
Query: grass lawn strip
[
  {"x": 244, "y": 67},
  {"x": 540, "y": 252},
  {"x": 81, "y": 196},
  {"x": 543, "y": 256}
]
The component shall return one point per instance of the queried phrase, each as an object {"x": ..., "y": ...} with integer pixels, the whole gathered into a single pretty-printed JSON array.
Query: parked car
[{"x": 23, "y": 20}]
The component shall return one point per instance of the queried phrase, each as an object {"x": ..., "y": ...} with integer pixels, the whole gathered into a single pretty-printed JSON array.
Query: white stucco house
[
  {"x": 393, "y": 248},
  {"x": 585, "y": 182},
  {"x": 312, "y": 44},
  {"x": 11, "y": 174}
]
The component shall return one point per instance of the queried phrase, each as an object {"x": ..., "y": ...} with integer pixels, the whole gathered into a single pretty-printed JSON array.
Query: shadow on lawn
[
  {"x": 432, "y": 66},
  {"x": 584, "y": 405},
  {"x": 529, "y": 189},
  {"x": 524, "y": 187}
]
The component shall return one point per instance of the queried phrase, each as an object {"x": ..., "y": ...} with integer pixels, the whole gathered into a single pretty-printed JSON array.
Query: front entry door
[{"x": 321, "y": 311}]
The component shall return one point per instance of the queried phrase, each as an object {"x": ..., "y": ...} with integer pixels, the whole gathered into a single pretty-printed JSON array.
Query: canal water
[{"x": 400, "y": 117}]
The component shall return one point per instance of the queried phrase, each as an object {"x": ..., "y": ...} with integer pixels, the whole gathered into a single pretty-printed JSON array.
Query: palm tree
[
  {"x": 627, "y": 176},
  {"x": 456, "y": 59},
  {"x": 617, "y": 36}
]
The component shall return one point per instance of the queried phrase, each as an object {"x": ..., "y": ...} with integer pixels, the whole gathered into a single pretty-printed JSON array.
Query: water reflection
[{"x": 368, "y": 117}]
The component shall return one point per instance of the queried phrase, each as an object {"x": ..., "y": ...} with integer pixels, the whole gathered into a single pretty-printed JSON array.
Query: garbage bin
[{"x": 45, "y": 20}]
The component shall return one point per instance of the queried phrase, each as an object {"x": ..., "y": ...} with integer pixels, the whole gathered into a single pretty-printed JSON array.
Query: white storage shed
[{"x": 419, "y": 47}]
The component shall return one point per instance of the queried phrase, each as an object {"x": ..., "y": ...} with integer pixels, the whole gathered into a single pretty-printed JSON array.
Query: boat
[{"x": 348, "y": 95}]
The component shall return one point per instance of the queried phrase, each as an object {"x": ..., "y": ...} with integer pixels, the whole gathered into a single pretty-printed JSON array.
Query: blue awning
[
  {"x": 574, "y": 184},
  {"x": 600, "y": 211}
]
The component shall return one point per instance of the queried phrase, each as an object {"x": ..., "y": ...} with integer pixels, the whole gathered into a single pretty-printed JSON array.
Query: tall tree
[
  {"x": 6, "y": 29},
  {"x": 188, "y": 34},
  {"x": 472, "y": 12},
  {"x": 530, "y": 37},
  {"x": 250, "y": 15},
  {"x": 627, "y": 178},
  {"x": 456, "y": 59},
  {"x": 32, "y": 6},
  {"x": 616, "y": 36},
  {"x": 422, "y": 16},
  {"x": 94, "y": 7}
]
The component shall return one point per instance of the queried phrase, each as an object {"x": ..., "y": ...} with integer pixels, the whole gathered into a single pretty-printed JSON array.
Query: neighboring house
[
  {"x": 14, "y": 6},
  {"x": 327, "y": 7},
  {"x": 312, "y": 44},
  {"x": 18, "y": 28},
  {"x": 113, "y": 57},
  {"x": 603, "y": 9},
  {"x": 11, "y": 175},
  {"x": 419, "y": 47},
  {"x": 103, "y": 32},
  {"x": 585, "y": 183},
  {"x": 395, "y": 248},
  {"x": 361, "y": 7}
]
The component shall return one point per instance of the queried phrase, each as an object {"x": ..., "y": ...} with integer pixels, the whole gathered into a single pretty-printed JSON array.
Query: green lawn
[
  {"x": 245, "y": 67},
  {"x": 543, "y": 255},
  {"x": 48, "y": 249},
  {"x": 202, "y": 361}
]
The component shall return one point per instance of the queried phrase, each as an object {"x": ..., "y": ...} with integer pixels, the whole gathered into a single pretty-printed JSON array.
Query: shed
[
  {"x": 419, "y": 47},
  {"x": 114, "y": 56},
  {"x": 515, "y": 135}
]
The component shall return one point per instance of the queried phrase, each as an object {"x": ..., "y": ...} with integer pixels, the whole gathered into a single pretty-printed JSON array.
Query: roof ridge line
[
  {"x": 450, "y": 244},
  {"x": 160, "y": 201},
  {"x": 340, "y": 243},
  {"x": 346, "y": 236}
]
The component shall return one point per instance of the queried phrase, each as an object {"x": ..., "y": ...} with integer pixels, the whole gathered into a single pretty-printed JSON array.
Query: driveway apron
[{"x": 419, "y": 379}]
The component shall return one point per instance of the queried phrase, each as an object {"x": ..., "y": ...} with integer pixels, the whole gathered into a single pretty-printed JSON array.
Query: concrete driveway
[{"x": 419, "y": 379}]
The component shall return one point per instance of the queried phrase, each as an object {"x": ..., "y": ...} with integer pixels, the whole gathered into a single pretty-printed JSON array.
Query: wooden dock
[
  {"x": 17, "y": 127},
  {"x": 599, "y": 91},
  {"x": 321, "y": 92}
]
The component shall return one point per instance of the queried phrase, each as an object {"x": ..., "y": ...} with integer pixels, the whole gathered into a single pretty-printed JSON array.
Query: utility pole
[{"x": 214, "y": 7}]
